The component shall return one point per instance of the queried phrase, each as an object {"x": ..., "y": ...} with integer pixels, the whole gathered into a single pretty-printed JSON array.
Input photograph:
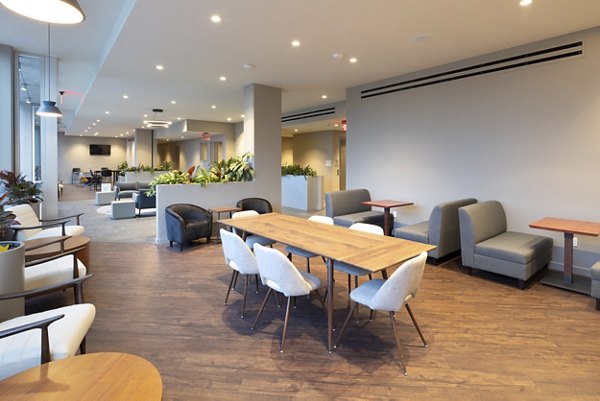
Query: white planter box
[
  {"x": 143, "y": 176},
  {"x": 12, "y": 279},
  {"x": 302, "y": 192}
]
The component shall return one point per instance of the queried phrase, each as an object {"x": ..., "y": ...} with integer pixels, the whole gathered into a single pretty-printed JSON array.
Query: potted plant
[
  {"x": 12, "y": 260},
  {"x": 20, "y": 190},
  {"x": 301, "y": 188}
]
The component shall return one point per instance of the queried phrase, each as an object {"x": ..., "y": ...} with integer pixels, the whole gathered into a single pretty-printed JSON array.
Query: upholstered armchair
[
  {"x": 143, "y": 201},
  {"x": 30, "y": 227},
  {"x": 186, "y": 223},
  {"x": 259, "y": 205}
]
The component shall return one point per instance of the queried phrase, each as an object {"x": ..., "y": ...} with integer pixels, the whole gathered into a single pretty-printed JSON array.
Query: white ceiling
[{"x": 115, "y": 50}]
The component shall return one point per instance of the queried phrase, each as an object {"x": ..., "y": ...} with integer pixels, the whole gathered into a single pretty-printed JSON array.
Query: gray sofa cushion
[
  {"x": 370, "y": 217},
  {"x": 416, "y": 232},
  {"x": 596, "y": 271},
  {"x": 513, "y": 246}
]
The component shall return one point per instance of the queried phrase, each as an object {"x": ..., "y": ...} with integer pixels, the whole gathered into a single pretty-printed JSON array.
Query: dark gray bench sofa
[
  {"x": 487, "y": 245},
  {"x": 441, "y": 230},
  {"x": 345, "y": 208},
  {"x": 596, "y": 284},
  {"x": 125, "y": 190}
]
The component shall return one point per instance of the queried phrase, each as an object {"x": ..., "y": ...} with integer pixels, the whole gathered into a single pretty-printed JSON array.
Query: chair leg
[
  {"x": 289, "y": 256},
  {"x": 285, "y": 323},
  {"x": 277, "y": 300},
  {"x": 82, "y": 347},
  {"x": 181, "y": 246},
  {"x": 597, "y": 304},
  {"x": 343, "y": 329},
  {"x": 233, "y": 276},
  {"x": 256, "y": 282},
  {"x": 170, "y": 244},
  {"x": 416, "y": 325},
  {"x": 372, "y": 315},
  {"x": 245, "y": 294},
  {"x": 393, "y": 319},
  {"x": 308, "y": 265},
  {"x": 321, "y": 300},
  {"x": 261, "y": 309}
]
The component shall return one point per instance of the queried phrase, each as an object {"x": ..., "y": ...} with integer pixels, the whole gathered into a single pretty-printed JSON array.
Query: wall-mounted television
[{"x": 101, "y": 150}]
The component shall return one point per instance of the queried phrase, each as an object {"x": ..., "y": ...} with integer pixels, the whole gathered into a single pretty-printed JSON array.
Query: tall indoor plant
[{"x": 12, "y": 260}]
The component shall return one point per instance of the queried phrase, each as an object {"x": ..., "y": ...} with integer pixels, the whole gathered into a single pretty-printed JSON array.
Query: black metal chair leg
[
  {"x": 308, "y": 265},
  {"x": 256, "y": 281},
  {"x": 82, "y": 347},
  {"x": 343, "y": 329},
  {"x": 285, "y": 323},
  {"x": 416, "y": 325},
  {"x": 277, "y": 300},
  {"x": 233, "y": 275},
  {"x": 245, "y": 294},
  {"x": 393, "y": 319},
  {"x": 262, "y": 308}
]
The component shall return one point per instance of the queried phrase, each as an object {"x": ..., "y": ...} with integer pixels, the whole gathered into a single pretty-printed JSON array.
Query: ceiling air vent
[
  {"x": 531, "y": 58},
  {"x": 308, "y": 114}
]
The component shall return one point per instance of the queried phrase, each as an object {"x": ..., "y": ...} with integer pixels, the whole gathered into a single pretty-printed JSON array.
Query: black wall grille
[
  {"x": 522, "y": 60},
  {"x": 308, "y": 114}
]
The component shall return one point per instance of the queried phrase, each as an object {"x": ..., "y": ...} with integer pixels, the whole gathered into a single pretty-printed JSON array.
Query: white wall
[
  {"x": 287, "y": 150},
  {"x": 74, "y": 152},
  {"x": 529, "y": 138},
  {"x": 314, "y": 149},
  {"x": 7, "y": 77}
]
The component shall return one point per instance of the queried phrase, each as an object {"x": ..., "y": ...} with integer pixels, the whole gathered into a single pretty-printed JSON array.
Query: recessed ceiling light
[
  {"x": 89, "y": 127},
  {"x": 215, "y": 18},
  {"x": 295, "y": 43},
  {"x": 127, "y": 132},
  {"x": 94, "y": 124},
  {"x": 182, "y": 136},
  {"x": 178, "y": 118},
  {"x": 336, "y": 125},
  {"x": 120, "y": 135},
  {"x": 323, "y": 96},
  {"x": 223, "y": 78},
  {"x": 173, "y": 102},
  {"x": 116, "y": 136},
  {"x": 353, "y": 60},
  {"x": 337, "y": 56},
  {"x": 247, "y": 66},
  {"x": 84, "y": 130},
  {"x": 97, "y": 121},
  {"x": 145, "y": 115},
  {"x": 296, "y": 130},
  {"x": 80, "y": 134},
  {"x": 525, "y": 3},
  {"x": 160, "y": 67},
  {"x": 96, "y": 133},
  {"x": 107, "y": 112},
  {"x": 168, "y": 139},
  {"x": 213, "y": 107},
  {"x": 228, "y": 118},
  {"x": 23, "y": 88},
  {"x": 125, "y": 97},
  {"x": 241, "y": 115}
]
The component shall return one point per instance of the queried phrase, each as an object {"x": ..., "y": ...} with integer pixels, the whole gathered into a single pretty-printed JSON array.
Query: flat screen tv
[{"x": 102, "y": 150}]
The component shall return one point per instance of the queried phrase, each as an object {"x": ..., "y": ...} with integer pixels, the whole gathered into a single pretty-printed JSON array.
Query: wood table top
[
  {"x": 224, "y": 209},
  {"x": 387, "y": 203},
  {"x": 368, "y": 251},
  {"x": 98, "y": 376},
  {"x": 569, "y": 226}
]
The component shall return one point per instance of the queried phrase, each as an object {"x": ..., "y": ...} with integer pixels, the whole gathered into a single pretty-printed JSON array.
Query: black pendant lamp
[
  {"x": 51, "y": 11},
  {"x": 48, "y": 107}
]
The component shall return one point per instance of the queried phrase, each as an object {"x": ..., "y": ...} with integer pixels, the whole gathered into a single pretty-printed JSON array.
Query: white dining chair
[
  {"x": 280, "y": 275},
  {"x": 241, "y": 259},
  {"x": 354, "y": 271},
  {"x": 291, "y": 250},
  {"x": 390, "y": 295},
  {"x": 251, "y": 239}
]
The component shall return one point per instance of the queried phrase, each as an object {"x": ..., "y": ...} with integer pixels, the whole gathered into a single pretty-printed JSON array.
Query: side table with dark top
[
  {"x": 387, "y": 205},
  {"x": 569, "y": 228},
  {"x": 218, "y": 211},
  {"x": 46, "y": 247}
]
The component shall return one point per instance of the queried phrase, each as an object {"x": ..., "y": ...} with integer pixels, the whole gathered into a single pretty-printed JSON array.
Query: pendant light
[
  {"x": 48, "y": 107},
  {"x": 51, "y": 11}
]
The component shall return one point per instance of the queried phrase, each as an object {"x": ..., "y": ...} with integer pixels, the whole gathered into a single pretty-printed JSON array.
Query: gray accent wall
[{"x": 528, "y": 137}]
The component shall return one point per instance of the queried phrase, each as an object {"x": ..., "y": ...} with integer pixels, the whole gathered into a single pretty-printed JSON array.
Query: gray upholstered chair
[
  {"x": 280, "y": 275},
  {"x": 259, "y": 205},
  {"x": 345, "y": 208},
  {"x": 143, "y": 201},
  {"x": 487, "y": 245},
  {"x": 390, "y": 295},
  {"x": 301, "y": 252},
  {"x": 241, "y": 259},
  {"x": 186, "y": 222},
  {"x": 441, "y": 230},
  {"x": 596, "y": 284}
]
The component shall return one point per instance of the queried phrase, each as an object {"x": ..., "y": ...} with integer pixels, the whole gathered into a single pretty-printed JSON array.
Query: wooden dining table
[{"x": 337, "y": 244}]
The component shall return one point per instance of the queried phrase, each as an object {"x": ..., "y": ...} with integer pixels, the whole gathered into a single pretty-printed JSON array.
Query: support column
[
  {"x": 143, "y": 147},
  {"x": 262, "y": 137},
  {"x": 49, "y": 142},
  {"x": 7, "y": 105}
]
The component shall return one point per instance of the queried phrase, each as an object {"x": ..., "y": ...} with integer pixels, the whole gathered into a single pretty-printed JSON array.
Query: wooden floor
[{"x": 488, "y": 340}]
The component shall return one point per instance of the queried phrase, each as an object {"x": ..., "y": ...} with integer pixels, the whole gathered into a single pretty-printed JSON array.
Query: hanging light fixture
[
  {"x": 48, "y": 107},
  {"x": 157, "y": 123},
  {"x": 51, "y": 11}
]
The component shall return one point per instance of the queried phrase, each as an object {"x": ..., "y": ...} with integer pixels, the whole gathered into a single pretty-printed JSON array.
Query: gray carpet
[{"x": 101, "y": 228}]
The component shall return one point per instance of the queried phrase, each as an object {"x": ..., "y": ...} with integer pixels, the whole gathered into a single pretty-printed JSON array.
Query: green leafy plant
[
  {"x": 234, "y": 169},
  {"x": 296, "y": 169},
  {"x": 19, "y": 189},
  {"x": 6, "y": 219}
]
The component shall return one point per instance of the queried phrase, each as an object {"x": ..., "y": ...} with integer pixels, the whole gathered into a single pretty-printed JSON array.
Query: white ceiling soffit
[{"x": 115, "y": 50}]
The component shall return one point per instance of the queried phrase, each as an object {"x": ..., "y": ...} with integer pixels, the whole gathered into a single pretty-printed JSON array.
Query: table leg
[
  {"x": 568, "y": 261},
  {"x": 330, "y": 305},
  {"x": 386, "y": 221}
]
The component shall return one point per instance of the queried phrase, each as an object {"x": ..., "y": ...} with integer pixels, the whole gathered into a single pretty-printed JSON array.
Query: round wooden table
[
  {"x": 54, "y": 248},
  {"x": 99, "y": 376}
]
